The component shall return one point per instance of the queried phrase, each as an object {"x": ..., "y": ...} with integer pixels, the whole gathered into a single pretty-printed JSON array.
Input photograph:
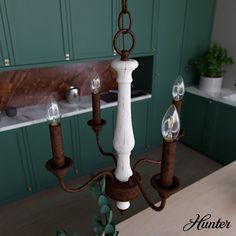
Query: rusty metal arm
[
  {"x": 153, "y": 206},
  {"x": 144, "y": 160},
  {"x": 85, "y": 185},
  {"x": 108, "y": 154}
]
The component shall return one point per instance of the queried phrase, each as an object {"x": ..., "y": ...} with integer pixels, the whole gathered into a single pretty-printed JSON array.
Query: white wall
[{"x": 224, "y": 32}]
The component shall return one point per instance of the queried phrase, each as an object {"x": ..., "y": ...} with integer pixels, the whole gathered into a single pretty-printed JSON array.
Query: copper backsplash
[{"x": 33, "y": 86}]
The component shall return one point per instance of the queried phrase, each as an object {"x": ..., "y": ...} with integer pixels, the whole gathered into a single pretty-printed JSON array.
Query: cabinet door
[
  {"x": 144, "y": 19},
  {"x": 90, "y": 157},
  {"x": 140, "y": 125},
  {"x": 221, "y": 132},
  {"x": 193, "y": 120},
  {"x": 40, "y": 151},
  {"x": 167, "y": 62},
  {"x": 36, "y": 30},
  {"x": 14, "y": 178},
  {"x": 91, "y": 27},
  {"x": 3, "y": 46},
  {"x": 197, "y": 35}
]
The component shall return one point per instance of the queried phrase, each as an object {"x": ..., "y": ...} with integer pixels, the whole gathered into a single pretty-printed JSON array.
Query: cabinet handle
[
  {"x": 67, "y": 56},
  {"x": 6, "y": 62},
  {"x": 114, "y": 52}
]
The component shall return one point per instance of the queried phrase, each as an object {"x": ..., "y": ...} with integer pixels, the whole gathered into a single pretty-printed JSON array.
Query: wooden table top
[{"x": 210, "y": 202}]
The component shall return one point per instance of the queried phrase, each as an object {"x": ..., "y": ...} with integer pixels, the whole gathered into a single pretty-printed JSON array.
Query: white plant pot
[{"x": 210, "y": 85}]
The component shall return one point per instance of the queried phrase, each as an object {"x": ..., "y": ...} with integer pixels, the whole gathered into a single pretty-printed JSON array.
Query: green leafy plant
[
  {"x": 210, "y": 64},
  {"x": 103, "y": 222}
]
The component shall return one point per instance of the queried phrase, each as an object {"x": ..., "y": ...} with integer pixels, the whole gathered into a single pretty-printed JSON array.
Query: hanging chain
[{"x": 124, "y": 31}]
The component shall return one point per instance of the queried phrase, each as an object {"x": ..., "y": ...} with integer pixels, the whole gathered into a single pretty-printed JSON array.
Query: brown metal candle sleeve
[
  {"x": 178, "y": 105},
  {"x": 57, "y": 145},
  {"x": 168, "y": 164},
  {"x": 96, "y": 108}
]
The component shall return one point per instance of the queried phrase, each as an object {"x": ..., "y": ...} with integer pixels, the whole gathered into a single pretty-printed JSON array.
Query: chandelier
[{"x": 123, "y": 182}]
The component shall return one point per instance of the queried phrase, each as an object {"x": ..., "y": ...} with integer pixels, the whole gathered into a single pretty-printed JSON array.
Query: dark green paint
[
  {"x": 90, "y": 158},
  {"x": 170, "y": 28},
  {"x": 91, "y": 27},
  {"x": 14, "y": 182},
  {"x": 140, "y": 125},
  {"x": 209, "y": 127},
  {"x": 36, "y": 30},
  {"x": 194, "y": 115},
  {"x": 197, "y": 35}
]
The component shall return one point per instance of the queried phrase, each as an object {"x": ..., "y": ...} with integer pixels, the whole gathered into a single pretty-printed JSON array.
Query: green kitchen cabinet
[
  {"x": 15, "y": 180},
  {"x": 144, "y": 19},
  {"x": 199, "y": 20},
  {"x": 39, "y": 148},
  {"x": 166, "y": 63},
  {"x": 37, "y": 30},
  {"x": 209, "y": 127},
  {"x": 220, "y": 134},
  {"x": 91, "y": 27},
  {"x": 90, "y": 157},
  {"x": 193, "y": 121},
  {"x": 140, "y": 118},
  {"x": 4, "y": 55}
]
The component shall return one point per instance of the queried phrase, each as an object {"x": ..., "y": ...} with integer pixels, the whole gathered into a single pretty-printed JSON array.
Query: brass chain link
[{"x": 124, "y": 31}]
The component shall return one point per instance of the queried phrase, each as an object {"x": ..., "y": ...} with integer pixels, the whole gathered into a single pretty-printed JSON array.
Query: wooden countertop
[{"x": 214, "y": 195}]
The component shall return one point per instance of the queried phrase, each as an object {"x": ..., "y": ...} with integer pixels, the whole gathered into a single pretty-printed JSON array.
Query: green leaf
[
  {"x": 60, "y": 233},
  {"x": 98, "y": 227},
  {"x": 103, "y": 184},
  {"x": 74, "y": 234},
  {"x": 105, "y": 209},
  {"x": 109, "y": 229},
  {"x": 102, "y": 200},
  {"x": 109, "y": 217},
  {"x": 95, "y": 190}
]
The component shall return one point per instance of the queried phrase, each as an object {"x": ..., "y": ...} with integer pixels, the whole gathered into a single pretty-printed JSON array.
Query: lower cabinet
[
  {"x": 39, "y": 150},
  {"x": 25, "y": 151},
  {"x": 221, "y": 138},
  {"x": 209, "y": 127},
  {"x": 140, "y": 119},
  {"x": 14, "y": 178},
  {"x": 193, "y": 120},
  {"x": 90, "y": 158}
]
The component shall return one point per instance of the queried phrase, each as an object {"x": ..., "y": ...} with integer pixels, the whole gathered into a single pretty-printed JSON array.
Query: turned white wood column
[{"x": 123, "y": 141}]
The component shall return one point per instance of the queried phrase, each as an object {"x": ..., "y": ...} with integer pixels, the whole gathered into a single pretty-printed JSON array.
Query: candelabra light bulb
[
  {"x": 170, "y": 125},
  {"x": 95, "y": 83},
  {"x": 178, "y": 89},
  {"x": 53, "y": 112}
]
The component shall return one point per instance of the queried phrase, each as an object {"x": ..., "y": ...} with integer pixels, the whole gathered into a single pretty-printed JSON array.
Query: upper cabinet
[
  {"x": 91, "y": 27},
  {"x": 36, "y": 32},
  {"x": 197, "y": 35},
  {"x": 144, "y": 20},
  {"x": 4, "y": 56},
  {"x": 44, "y": 32}
]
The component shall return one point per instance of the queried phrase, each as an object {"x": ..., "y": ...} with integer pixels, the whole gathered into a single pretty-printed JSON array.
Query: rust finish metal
[
  {"x": 85, "y": 185},
  {"x": 57, "y": 145},
  {"x": 123, "y": 191},
  {"x": 97, "y": 129},
  {"x": 168, "y": 163},
  {"x": 124, "y": 53},
  {"x": 178, "y": 105},
  {"x": 144, "y": 160},
  {"x": 59, "y": 172},
  {"x": 96, "y": 108},
  {"x": 165, "y": 192}
]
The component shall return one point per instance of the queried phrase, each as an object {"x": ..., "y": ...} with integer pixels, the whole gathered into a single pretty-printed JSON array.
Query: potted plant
[{"x": 210, "y": 67}]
